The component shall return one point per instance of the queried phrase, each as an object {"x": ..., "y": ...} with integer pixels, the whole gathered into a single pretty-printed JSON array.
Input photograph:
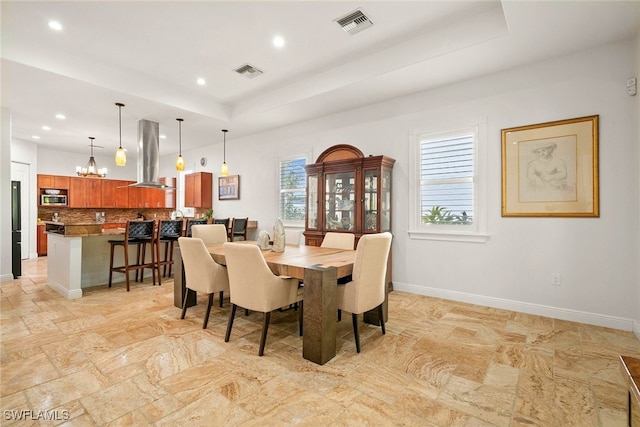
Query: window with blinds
[
  {"x": 447, "y": 179},
  {"x": 293, "y": 190}
]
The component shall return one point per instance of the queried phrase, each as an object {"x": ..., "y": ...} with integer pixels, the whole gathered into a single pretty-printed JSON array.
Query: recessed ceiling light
[
  {"x": 35, "y": 137},
  {"x": 55, "y": 25},
  {"x": 201, "y": 81},
  {"x": 163, "y": 136},
  {"x": 46, "y": 127},
  {"x": 278, "y": 41},
  {"x": 60, "y": 116}
]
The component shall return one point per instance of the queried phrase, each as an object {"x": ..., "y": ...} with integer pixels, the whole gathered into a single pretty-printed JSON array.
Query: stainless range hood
[{"x": 149, "y": 156}]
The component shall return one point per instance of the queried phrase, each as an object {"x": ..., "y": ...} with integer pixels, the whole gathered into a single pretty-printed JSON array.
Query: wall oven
[{"x": 53, "y": 200}]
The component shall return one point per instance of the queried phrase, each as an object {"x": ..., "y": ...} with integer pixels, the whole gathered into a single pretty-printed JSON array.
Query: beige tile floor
[{"x": 118, "y": 358}]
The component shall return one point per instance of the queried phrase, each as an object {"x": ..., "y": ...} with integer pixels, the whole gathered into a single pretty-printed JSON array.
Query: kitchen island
[{"x": 78, "y": 256}]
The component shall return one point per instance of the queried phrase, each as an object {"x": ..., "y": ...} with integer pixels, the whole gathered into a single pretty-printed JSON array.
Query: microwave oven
[{"x": 53, "y": 200}]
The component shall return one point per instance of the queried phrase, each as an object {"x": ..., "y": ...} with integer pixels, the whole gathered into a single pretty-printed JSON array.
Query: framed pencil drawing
[
  {"x": 229, "y": 187},
  {"x": 551, "y": 169}
]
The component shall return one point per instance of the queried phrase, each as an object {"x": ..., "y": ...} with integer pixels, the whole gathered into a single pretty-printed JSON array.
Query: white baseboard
[
  {"x": 524, "y": 307},
  {"x": 65, "y": 292},
  {"x": 6, "y": 278}
]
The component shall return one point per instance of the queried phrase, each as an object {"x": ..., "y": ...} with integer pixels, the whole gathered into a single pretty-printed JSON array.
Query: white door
[{"x": 20, "y": 172}]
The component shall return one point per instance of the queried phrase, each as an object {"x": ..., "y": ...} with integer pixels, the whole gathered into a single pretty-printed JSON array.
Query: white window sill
[{"x": 449, "y": 236}]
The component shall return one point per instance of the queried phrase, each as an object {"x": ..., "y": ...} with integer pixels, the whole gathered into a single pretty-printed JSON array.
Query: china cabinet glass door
[
  {"x": 370, "y": 200},
  {"x": 312, "y": 202},
  {"x": 340, "y": 199}
]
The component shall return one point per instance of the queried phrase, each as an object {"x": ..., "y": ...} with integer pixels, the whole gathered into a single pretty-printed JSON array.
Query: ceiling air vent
[
  {"x": 249, "y": 71},
  {"x": 354, "y": 22}
]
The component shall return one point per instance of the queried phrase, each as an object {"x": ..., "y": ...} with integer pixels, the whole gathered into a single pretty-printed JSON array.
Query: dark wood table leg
[
  {"x": 179, "y": 282},
  {"x": 320, "y": 314}
]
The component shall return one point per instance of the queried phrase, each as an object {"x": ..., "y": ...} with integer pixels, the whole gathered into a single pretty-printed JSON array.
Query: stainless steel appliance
[
  {"x": 53, "y": 200},
  {"x": 16, "y": 230}
]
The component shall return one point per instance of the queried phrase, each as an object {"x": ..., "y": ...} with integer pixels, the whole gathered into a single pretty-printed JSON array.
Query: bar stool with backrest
[
  {"x": 138, "y": 234},
  {"x": 225, "y": 222},
  {"x": 168, "y": 232},
  {"x": 239, "y": 229},
  {"x": 191, "y": 222}
]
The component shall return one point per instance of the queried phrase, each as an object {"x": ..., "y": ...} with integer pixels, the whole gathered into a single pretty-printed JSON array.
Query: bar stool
[
  {"x": 138, "y": 234},
  {"x": 168, "y": 231},
  {"x": 191, "y": 222},
  {"x": 239, "y": 228}
]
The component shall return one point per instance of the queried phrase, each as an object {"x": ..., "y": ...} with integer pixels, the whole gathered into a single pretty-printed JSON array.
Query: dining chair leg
[
  {"x": 230, "y": 322},
  {"x": 381, "y": 318},
  {"x": 301, "y": 317},
  {"x": 246, "y": 311},
  {"x": 354, "y": 318},
  {"x": 184, "y": 304},
  {"x": 265, "y": 328},
  {"x": 206, "y": 316},
  {"x": 221, "y": 298},
  {"x": 339, "y": 315}
]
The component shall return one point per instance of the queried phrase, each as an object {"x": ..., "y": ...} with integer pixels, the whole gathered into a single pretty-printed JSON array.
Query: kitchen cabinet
[
  {"x": 41, "y": 240},
  {"x": 347, "y": 192},
  {"x": 198, "y": 190},
  {"x": 53, "y": 181},
  {"x": 115, "y": 193},
  {"x": 85, "y": 192},
  {"x": 151, "y": 198}
]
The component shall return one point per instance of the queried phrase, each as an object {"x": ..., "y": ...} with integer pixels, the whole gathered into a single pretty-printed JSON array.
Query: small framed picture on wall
[{"x": 229, "y": 187}]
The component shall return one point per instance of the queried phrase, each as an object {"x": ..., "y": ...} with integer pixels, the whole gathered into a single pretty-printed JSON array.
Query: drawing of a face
[{"x": 545, "y": 152}]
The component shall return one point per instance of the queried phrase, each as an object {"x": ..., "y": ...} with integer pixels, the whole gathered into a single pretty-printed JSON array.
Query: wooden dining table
[{"x": 319, "y": 269}]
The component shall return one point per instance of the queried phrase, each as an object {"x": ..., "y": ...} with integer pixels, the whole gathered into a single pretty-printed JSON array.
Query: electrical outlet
[{"x": 555, "y": 279}]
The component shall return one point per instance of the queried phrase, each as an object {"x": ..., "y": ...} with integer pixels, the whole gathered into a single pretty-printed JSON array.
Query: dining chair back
[
  {"x": 226, "y": 222},
  {"x": 337, "y": 240},
  {"x": 211, "y": 234},
  {"x": 137, "y": 234},
  {"x": 367, "y": 289},
  {"x": 191, "y": 222},
  {"x": 253, "y": 286},
  {"x": 239, "y": 229},
  {"x": 202, "y": 273}
]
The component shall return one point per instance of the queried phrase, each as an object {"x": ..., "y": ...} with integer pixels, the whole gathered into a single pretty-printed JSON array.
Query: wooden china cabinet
[{"x": 348, "y": 193}]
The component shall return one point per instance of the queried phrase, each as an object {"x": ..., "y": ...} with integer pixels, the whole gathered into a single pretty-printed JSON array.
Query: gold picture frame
[
  {"x": 551, "y": 169},
  {"x": 229, "y": 187}
]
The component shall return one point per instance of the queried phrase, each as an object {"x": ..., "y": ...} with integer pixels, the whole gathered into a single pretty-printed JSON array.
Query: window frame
[
  {"x": 307, "y": 159},
  {"x": 475, "y": 232}
]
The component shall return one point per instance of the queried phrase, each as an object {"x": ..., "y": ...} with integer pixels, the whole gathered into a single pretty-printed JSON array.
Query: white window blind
[
  {"x": 447, "y": 179},
  {"x": 293, "y": 189}
]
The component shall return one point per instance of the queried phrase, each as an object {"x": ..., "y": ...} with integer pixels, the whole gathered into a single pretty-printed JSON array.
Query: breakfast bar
[{"x": 84, "y": 242}]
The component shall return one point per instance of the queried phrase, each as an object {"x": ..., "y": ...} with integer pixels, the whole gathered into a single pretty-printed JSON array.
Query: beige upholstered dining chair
[
  {"x": 253, "y": 286},
  {"x": 366, "y": 290},
  {"x": 211, "y": 234},
  {"x": 202, "y": 273},
  {"x": 338, "y": 240}
]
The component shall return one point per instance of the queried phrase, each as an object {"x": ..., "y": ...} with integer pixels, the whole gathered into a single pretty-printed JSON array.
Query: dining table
[{"x": 318, "y": 268}]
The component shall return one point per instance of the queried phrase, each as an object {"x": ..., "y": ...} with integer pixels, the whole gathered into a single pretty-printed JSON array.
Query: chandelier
[{"x": 91, "y": 169}]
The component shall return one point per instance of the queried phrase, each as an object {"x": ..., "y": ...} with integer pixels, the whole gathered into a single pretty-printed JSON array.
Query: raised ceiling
[{"x": 148, "y": 56}]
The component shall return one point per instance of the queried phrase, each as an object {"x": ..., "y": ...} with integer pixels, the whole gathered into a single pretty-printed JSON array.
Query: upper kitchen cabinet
[
  {"x": 85, "y": 192},
  {"x": 53, "y": 182},
  {"x": 198, "y": 190},
  {"x": 347, "y": 192},
  {"x": 115, "y": 193}
]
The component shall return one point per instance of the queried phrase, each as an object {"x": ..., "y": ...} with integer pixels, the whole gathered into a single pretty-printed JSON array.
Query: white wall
[
  {"x": 596, "y": 257},
  {"x": 637, "y": 99},
  {"x": 5, "y": 196}
]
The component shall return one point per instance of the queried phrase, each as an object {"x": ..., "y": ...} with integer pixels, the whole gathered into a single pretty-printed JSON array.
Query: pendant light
[
  {"x": 91, "y": 169},
  {"x": 224, "y": 170},
  {"x": 180, "y": 160},
  {"x": 121, "y": 155}
]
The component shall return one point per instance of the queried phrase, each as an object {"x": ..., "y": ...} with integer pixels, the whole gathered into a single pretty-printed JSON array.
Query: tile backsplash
[{"x": 73, "y": 215}]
